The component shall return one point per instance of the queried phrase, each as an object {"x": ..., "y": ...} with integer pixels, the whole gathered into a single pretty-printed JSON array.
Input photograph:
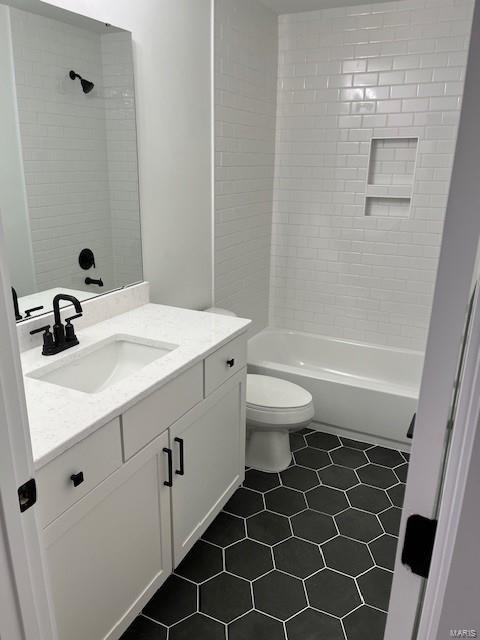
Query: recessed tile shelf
[
  {"x": 389, "y": 191},
  {"x": 387, "y": 207},
  {"x": 391, "y": 173}
]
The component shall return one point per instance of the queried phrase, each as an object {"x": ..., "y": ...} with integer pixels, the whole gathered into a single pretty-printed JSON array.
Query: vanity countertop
[{"x": 59, "y": 416}]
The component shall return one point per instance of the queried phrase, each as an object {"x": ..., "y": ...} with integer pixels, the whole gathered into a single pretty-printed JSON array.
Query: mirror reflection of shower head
[{"x": 87, "y": 86}]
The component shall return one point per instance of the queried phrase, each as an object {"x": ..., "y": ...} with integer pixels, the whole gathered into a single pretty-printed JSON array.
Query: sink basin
[{"x": 110, "y": 362}]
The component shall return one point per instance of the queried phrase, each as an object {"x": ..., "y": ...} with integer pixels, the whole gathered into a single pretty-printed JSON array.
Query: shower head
[{"x": 87, "y": 86}]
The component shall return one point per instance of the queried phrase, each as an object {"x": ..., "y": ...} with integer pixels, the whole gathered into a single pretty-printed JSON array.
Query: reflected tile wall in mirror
[{"x": 79, "y": 159}]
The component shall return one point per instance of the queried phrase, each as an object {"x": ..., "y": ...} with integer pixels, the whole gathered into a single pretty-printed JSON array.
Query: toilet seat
[{"x": 273, "y": 402}]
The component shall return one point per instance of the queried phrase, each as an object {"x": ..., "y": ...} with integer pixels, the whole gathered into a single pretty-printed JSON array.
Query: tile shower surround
[
  {"x": 344, "y": 76},
  {"x": 347, "y": 75},
  {"x": 305, "y": 553}
]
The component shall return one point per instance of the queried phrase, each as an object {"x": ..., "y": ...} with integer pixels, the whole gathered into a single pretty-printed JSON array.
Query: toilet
[{"x": 275, "y": 408}]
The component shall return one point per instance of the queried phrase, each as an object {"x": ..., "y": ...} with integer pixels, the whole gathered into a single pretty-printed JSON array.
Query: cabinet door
[
  {"x": 212, "y": 437},
  {"x": 108, "y": 554}
]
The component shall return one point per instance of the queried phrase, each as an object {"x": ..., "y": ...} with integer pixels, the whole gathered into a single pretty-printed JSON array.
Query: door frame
[
  {"x": 25, "y": 580},
  {"x": 455, "y": 482},
  {"x": 452, "y": 292}
]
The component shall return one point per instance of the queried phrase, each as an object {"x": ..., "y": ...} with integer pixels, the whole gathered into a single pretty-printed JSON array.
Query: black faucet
[
  {"x": 63, "y": 336},
  {"x": 15, "y": 305},
  {"x": 99, "y": 282}
]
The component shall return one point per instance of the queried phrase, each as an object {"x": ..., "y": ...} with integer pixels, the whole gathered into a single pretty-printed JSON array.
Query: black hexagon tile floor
[{"x": 306, "y": 554}]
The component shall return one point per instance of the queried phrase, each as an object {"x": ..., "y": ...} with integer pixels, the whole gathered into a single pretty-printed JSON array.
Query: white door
[
  {"x": 21, "y": 562},
  {"x": 452, "y": 291}
]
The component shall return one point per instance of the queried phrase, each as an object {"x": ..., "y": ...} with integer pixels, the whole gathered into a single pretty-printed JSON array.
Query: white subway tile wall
[
  {"x": 347, "y": 75},
  {"x": 121, "y": 140},
  {"x": 246, "y": 40},
  {"x": 66, "y": 150}
]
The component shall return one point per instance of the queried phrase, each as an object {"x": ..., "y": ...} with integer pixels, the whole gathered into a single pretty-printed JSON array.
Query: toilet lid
[{"x": 275, "y": 393}]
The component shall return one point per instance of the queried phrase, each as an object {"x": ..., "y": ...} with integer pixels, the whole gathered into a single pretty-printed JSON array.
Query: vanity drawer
[
  {"x": 224, "y": 362},
  {"x": 149, "y": 418},
  {"x": 90, "y": 461}
]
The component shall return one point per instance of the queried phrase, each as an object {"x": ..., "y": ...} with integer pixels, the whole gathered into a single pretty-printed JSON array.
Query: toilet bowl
[{"x": 275, "y": 408}]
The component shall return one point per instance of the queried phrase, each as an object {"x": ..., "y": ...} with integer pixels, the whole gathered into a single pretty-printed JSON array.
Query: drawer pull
[
  {"x": 181, "y": 471},
  {"x": 169, "y": 482},
  {"x": 77, "y": 478},
  {"x": 231, "y": 363}
]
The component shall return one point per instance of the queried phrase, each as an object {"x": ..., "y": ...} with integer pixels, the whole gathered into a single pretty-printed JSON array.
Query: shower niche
[{"x": 391, "y": 172}]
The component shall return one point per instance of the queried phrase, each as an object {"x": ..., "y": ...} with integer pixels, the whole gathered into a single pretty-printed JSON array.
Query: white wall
[
  {"x": 345, "y": 75},
  {"x": 246, "y": 43},
  {"x": 172, "y": 58},
  {"x": 13, "y": 202}
]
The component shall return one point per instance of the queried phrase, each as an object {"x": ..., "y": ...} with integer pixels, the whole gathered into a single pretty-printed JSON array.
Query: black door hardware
[
  {"x": 29, "y": 312},
  {"x": 169, "y": 482},
  {"x": 231, "y": 363},
  {"x": 15, "y": 305},
  {"x": 27, "y": 495},
  {"x": 411, "y": 428},
  {"x": 99, "y": 282},
  {"x": 418, "y": 544},
  {"x": 181, "y": 470},
  {"x": 63, "y": 337},
  {"x": 77, "y": 478},
  {"x": 86, "y": 259}
]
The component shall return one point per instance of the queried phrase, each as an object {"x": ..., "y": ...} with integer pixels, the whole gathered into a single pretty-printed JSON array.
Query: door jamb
[
  {"x": 455, "y": 483},
  {"x": 21, "y": 532}
]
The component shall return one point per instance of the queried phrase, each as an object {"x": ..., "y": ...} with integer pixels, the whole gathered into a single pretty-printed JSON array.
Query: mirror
[{"x": 68, "y": 159}]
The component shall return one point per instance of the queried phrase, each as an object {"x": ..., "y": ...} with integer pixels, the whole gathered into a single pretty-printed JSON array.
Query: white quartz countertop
[{"x": 59, "y": 416}]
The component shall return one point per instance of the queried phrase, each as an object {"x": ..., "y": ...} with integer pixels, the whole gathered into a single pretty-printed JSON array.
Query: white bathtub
[{"x": 358, "y": 389}]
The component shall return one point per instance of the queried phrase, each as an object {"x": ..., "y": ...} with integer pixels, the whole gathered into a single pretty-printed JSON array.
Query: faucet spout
[
  {"x": 63, "y": 336},
  {"x": 68, "y": 298}
]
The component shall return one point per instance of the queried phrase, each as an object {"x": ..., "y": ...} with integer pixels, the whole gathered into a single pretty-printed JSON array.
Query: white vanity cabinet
[
  {"x": 182, "y": 453},
  {"x": 208, "y": 447},
  {"x": 110, "y": 552}
]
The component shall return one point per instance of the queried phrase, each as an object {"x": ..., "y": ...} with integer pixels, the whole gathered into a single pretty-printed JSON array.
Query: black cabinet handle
[
  {"x": 231, "y": 362},
  {"x": 169, "y": 482},
  {"x": 181, "y": 471},
  {"x": 77, "y": 478}
]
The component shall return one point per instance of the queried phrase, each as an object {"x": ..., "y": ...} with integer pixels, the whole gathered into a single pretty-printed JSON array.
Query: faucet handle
[
  {"x": 70, "y": 329},
  {"x": 46, "y": 329},
  {"x": 29, "y": 312},
  {"x": 48, "y": 345}
]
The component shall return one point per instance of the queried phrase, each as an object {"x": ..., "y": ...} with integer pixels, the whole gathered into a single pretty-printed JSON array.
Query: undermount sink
[{"x": 111, "y": 362}]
